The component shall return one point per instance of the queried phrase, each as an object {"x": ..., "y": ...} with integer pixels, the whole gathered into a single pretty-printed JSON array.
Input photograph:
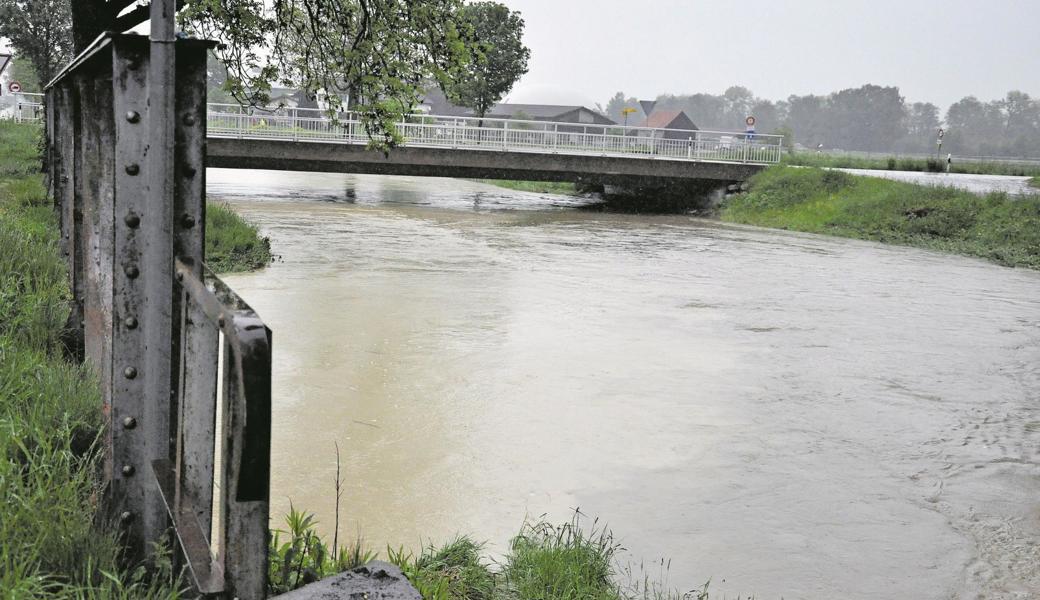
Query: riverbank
[
  {"x": 1035, "y": 182},
  {"x": 50, "y": 410},
  {"x": 893, "y": 163},
  {"x": 996, "y": 226},
  {"x": 545, "y": 561},
  {"x": 50, "y": 407}
]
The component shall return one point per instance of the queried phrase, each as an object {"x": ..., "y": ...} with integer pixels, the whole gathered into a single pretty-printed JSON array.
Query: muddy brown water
[{"x": 790, "y": 415}]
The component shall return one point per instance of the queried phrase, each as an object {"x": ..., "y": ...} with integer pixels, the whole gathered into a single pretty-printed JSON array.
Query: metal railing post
[{"x": 505, "y": 136}]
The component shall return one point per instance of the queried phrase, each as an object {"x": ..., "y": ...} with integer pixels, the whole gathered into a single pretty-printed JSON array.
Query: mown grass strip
[{"x": 998, "y": 227}]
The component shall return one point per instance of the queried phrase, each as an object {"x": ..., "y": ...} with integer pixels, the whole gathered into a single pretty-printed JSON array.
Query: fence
[
  {"x": 24, "y": 108},
  {"x": 301, "y": 125},
  {"x": 184, "y": 364}
]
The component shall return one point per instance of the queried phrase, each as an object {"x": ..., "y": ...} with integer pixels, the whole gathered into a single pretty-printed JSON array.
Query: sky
[{"x": 583, "y": 51}]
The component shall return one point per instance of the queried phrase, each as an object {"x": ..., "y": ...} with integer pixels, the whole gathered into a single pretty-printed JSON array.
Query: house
[
  {"x": 671, "y": 119},
  {"x": 435, "y": 103},
  {"x": 290, "y": 98}
]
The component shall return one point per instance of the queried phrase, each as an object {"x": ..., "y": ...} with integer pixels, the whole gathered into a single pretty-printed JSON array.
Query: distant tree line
[{"x": 869, "y": 118}]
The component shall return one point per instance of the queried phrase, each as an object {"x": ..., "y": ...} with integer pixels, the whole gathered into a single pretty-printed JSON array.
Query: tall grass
[
  {"x": 902, "y": 163},
  {"x": 50, "y": 412},
  {"x": 232, "y": 244},
  {"x": 996, "y": 226},
  {"x": 1035, "y": 182}
]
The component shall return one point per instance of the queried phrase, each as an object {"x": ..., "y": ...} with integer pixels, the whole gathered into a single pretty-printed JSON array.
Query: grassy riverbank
[
  {"x": 997, "y": 227},
  {"x": 232, "y": 243},
  {"x": 565, "y": 188},
  {"x": 544, "y": 561},
  {"x": 50, "y": 410},
  {"x": 812, "y": 159},
  {"x": 1035, "y": 182}
]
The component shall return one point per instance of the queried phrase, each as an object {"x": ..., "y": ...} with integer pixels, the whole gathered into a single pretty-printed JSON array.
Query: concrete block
[{"x": 377, "y": 580}]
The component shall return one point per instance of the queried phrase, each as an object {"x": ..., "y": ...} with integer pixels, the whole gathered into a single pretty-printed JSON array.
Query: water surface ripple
[{"x": 791, "y": 415}]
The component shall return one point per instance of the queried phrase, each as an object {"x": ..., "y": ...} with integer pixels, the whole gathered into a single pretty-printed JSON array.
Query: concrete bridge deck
[{"x": 306, "y": 140}]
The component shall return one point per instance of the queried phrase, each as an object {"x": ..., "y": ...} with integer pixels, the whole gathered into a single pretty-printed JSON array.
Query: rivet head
[
  {"x": 126, "y": 516},
  {"x": 133, "y": 116},
  {"x": 187, "y": 221},
  {"x": 189, "y": 119},
  {"x": 131, "y": 271},
  {"x": 128, "y": 470},
  {"x": 129, "y": 422},
  {"x": 132, "y": 220},
  {"x": 130, "y": 322},
  {"x": 130, "y": 372},
  {"x": 133, "y": 169}
]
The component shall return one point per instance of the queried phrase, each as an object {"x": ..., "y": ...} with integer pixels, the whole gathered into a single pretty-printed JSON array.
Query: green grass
[
  {"x": 232, "y": 244},
  {"x": 812, "y": 159},
  {"x": 996, "y": 226},
  {"x": 539, "y": 187},
  {"x": 545, "y": 561},
  {"x": 1035, "y": 182},
  {"x": 50, "y": 411}
]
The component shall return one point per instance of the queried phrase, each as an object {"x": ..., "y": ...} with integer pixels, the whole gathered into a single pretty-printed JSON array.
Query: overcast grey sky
[{"x": 933, "y": 50}]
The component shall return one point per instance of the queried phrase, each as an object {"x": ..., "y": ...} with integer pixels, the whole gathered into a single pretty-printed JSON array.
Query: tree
[
  {"x": 380, "y": 52},
  {"x": 22, "y": 71},
  {"x": 500, "y": 57},
  {"x": 39, "y": 32},
  {"x": 616, "y": 106}
]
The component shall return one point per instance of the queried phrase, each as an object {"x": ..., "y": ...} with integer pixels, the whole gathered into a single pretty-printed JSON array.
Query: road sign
[
  {"x": 14, "y": 87},
  {"x": 941, "y": 133},
  {"x": 750, "y": 122},
  {"x": 648, "y": 106}
]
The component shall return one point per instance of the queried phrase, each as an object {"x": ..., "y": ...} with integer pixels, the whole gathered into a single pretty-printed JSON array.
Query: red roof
[{"x": 661, "y": 118}]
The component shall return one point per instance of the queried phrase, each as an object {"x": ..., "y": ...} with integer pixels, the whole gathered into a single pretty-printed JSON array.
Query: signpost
[
  {"x": 648, "y": 107},
  {"x": 627, "y": 111},
  {"x": 938, "y": 144},
  {"x": 749, "y": 128}
]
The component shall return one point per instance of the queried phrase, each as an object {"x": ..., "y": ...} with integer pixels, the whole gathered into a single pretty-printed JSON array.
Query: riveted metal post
[
  {"x": 196, "y": 338},
  {"x": 139, "y": 329}
]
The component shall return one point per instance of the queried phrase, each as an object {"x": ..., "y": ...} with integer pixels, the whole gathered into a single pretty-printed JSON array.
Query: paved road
[{"x": 980, "y": 184}]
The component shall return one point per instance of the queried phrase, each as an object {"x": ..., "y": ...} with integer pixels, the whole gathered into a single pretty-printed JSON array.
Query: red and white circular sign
[
  {"x": 14, "y": 87},
  {"x": 750, "y": 121}
]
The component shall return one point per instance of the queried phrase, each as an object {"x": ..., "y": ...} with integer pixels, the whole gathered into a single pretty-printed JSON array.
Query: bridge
[
  {"x": 447, "y": 146},
  {"x": 297, "y": 139}
]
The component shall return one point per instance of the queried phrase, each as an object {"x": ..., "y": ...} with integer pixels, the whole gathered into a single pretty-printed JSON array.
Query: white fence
[
  {"x": 303, "y": 125},
  {"x": 22, "y": 108}
]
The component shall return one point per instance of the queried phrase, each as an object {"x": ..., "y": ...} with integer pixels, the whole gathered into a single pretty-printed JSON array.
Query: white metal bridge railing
[
  {"x": 22, "y": 107},
  {"x": 422, "y": 130}
]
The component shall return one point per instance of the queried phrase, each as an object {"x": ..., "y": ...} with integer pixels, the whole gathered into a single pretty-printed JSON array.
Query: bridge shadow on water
[{"x": 698, "y": 197}]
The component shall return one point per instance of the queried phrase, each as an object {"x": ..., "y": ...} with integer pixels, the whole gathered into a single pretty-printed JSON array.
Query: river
[{"x": 790, "y": 415}]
